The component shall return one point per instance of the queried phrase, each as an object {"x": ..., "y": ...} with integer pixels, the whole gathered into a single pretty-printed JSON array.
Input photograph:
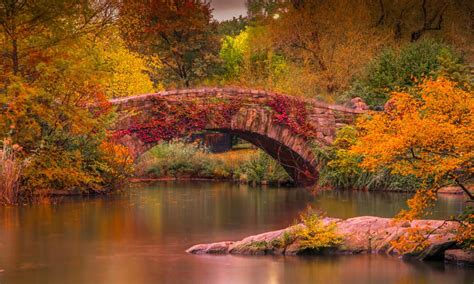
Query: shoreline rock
[
  {"x": 459, "y": 257},
  {"x": 456, "y": 190},
  {"x": 361, "y": 235}
]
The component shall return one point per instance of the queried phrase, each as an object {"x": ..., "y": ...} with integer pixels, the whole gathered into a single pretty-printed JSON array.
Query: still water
[{"x": 141, "y": 237}]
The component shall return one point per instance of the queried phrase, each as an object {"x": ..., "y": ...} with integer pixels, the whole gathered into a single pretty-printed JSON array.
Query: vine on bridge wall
[
  {"x": 175, "y": 119},
  {"x": 171, "y": 120},
  {"x": 292, "y": 113}
]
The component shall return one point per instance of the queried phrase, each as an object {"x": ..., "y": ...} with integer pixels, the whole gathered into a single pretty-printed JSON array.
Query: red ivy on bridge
[
  {"x": 292, "y": 113},
  {"x": 174, "y": 119}
]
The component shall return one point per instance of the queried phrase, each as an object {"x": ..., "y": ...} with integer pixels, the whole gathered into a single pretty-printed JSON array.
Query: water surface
[{"x": 141, "y": 237}]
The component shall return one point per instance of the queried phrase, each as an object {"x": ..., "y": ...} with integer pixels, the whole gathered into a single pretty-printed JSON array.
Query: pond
[{"x": 141, "y": 237}]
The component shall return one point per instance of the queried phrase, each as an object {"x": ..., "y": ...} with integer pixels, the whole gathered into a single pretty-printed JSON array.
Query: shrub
[
  {"x": 174, "y": 159},
  {"x": 316, "y": 234},
  {"x": 284, "y": 240},
  {"x": 87, "y": 166},
  {"x": 180, "y": 159},
  {"x": 465, "y": 236}
]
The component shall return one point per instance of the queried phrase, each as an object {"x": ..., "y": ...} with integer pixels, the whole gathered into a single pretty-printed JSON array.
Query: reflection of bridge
[{"x": 281, "y": 125}]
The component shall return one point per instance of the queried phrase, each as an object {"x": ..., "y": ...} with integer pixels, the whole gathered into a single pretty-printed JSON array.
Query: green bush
[{"x": 400, "y": 70}]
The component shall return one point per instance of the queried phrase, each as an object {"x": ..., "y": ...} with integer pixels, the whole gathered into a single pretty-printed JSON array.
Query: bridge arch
[{"x": 283, "y": 126}]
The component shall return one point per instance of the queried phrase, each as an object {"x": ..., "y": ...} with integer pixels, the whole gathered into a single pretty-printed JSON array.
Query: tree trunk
[{"x": 15, "y": 63}]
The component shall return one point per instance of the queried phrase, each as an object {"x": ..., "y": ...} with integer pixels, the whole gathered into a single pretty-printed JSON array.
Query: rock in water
[
  {"x": 459, "y": 256},
  {"x": 364, "y": 234}
]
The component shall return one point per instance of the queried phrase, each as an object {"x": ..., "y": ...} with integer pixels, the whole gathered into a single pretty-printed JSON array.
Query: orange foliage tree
[{"x": 428, "y": 134}]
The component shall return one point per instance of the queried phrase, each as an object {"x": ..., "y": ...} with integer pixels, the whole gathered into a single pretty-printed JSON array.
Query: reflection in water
[{"x": 140, "y": 237}]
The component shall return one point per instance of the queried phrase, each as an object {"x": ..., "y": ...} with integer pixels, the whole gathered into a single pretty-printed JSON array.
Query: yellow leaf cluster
[
  {"x": 127, "y": 71},
  {"x": 413, "y": 241}
]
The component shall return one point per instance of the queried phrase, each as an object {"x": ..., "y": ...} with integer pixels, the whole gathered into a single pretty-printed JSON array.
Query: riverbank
[
  {"x": 182, "y": 161},
  {"x": 360, "y": 235}
]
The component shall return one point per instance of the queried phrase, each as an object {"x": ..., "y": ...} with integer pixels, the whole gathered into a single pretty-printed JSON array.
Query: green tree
[
  {"x": 232, "y": 27},
  {"x": 260, "y": 9},
  {"x": 400, "y": 70},
  {"x": 233, "y": 52},
  {"x": 249, "y": 60}
]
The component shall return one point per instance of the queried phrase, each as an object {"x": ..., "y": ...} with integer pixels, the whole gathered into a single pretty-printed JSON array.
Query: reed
[{"x": 11, "y": 167}]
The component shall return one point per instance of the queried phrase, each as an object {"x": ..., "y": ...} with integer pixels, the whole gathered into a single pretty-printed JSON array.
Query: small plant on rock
[{"x": 317, "y": 234}]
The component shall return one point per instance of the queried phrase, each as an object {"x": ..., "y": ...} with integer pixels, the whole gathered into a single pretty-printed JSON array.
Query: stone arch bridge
[{"x": 283, "y": 126}]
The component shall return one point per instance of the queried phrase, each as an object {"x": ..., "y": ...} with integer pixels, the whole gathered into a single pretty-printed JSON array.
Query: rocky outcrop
[{"x": 360, "y": 235}]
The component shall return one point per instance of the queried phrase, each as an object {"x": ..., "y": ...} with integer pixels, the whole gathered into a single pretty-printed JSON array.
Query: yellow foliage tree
[{"x": 128, "y": 72}]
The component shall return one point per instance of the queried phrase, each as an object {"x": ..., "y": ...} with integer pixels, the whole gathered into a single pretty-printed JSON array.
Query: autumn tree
[
  {"x": 30, "y": 27},
  {"x": 52, "y": 119},
  {"x": 328, "y": 43},
  {"x": 426, "y": 133},
  {"x": 330, "y": 39},
  {"x": 126, "y": 72},
  {"x": 55, "y": 92},
  {"x": 181, "y": 33}
]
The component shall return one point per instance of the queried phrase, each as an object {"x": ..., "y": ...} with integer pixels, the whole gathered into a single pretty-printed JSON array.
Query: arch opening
[{"x": 303, "y": 171}]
